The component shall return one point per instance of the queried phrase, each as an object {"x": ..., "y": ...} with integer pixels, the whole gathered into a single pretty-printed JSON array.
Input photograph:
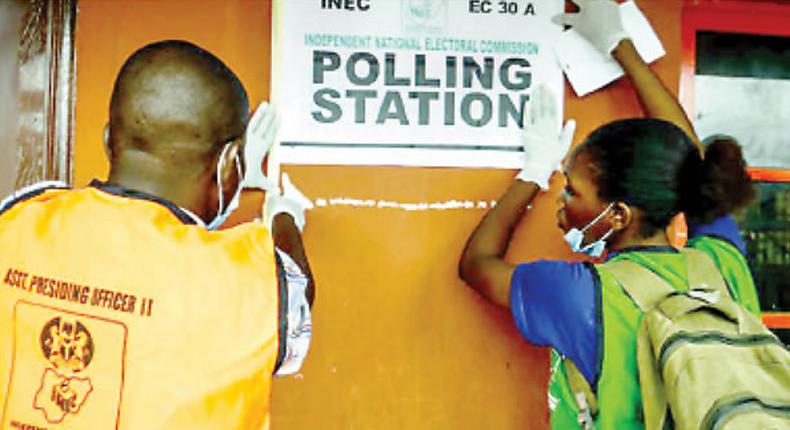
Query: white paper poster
[{"x": 409, "y": 82}]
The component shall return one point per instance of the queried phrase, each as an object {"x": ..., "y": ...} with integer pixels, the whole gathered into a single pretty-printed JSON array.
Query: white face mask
[
  {"x": 224, "y": 212},
  {"x": 575, "y": 237},
  {"x": 257, "y": 143}
]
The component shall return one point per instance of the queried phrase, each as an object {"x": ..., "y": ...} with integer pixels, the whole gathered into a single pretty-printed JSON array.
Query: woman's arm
[
  {"x": 601, "y": 24},
  {"x": 656, "y": 99},
  {"x": 482, "y": 265}
]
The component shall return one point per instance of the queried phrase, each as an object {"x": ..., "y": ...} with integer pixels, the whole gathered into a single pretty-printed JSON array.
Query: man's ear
[
  {"x": 232, "y": 155},
  {"x": 106, "y": 140},
  {"x": 622, "y": 216}
]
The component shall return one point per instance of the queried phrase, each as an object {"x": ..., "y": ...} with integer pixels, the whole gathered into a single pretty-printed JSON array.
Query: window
[{"x": 735, "y": 80}]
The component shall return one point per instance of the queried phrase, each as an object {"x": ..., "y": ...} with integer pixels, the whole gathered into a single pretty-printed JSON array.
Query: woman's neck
[{"x": 660, "y": 238}]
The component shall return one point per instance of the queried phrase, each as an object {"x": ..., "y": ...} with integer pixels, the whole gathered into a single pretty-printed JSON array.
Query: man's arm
[
  {"x": 285, "y": 214},
  {"x": 288, "y": 238}
]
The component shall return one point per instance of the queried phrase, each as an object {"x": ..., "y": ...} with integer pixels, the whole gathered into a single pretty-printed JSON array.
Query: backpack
[{"x": 704, "y": 361}]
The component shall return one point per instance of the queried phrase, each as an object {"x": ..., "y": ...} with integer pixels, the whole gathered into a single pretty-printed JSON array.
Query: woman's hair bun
[{"x": 721, "y": 185}]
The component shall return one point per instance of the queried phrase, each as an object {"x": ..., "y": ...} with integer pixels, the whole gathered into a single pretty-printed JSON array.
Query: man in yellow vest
[{"x": 121, "y": 306}]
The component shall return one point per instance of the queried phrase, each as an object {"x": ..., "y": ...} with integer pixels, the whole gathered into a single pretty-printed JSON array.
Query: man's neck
[{"x": 174, "y": 191}]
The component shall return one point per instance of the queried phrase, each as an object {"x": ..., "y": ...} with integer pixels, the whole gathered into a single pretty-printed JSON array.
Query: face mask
[
  {"x": 224, "y": 212},
  {"x": 575, "y": 237}
]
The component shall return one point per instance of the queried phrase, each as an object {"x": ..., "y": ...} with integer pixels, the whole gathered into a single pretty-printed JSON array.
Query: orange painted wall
[{"x": 399, "y": 342}]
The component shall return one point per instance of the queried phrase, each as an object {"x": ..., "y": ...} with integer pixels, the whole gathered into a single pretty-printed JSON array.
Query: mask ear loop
[
  {"x": 220, "y": 164},
  {"x": 598, "y": 218},
  {"x": 239, "y": 172}
]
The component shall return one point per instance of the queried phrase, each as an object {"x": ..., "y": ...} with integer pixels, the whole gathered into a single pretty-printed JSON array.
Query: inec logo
[{"x": 424, "y": 16}]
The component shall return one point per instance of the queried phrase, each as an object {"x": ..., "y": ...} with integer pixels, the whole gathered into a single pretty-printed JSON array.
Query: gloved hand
[
  {"x": 544, "y": 147},
  {"x": 259, "y": 138},
  {"x": 598, "y": 21},
  {"x": 290, "y": 201}
]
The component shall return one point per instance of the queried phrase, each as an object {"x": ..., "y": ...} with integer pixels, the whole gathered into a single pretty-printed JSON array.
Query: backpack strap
[
  {"x": 646, "y": 288},
  {"x": 586, "y": 401},
  {"x": 641, "y": 284},
  {"x": 702, "y": 273}
]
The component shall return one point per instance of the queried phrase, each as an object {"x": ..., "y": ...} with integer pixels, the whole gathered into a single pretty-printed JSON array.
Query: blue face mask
[
  {"x": 575, "y": 237},
  {"x": 224, "y": 211}
]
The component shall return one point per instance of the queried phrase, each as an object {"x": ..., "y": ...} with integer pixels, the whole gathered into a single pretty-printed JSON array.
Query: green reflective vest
[{"x": 619, "y": 398}]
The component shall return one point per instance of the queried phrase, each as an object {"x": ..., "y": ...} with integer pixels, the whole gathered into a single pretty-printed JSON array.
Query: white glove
[
  {"x": 598, "y": 21},
  {"x": 544, "y": 147},
  {"x": 290, "y": 201},
  {"x": 259, "y": 138}
]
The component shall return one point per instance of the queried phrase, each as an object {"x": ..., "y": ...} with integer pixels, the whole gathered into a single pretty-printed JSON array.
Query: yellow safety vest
[{"x": 117, "y": 312}]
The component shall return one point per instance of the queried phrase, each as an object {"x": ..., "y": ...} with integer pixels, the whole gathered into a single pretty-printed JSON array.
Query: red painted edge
[
  {"x": 776, "y": 319},
  {"x": 769, "y": 175}
]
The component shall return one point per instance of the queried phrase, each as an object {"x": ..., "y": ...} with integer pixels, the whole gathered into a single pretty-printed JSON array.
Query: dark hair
[
  {"x": 653, "y": 165},
  {"x": 216, "y": 101}
]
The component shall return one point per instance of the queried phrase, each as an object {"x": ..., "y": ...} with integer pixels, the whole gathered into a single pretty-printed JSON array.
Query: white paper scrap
[{"x": 588, "y": 69}]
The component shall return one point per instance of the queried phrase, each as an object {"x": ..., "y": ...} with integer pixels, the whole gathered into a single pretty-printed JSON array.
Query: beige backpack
[{"x": 704, "y": 361}]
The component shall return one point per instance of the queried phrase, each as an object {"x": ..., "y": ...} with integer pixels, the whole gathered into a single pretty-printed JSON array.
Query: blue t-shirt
[{"x": 555, "y": 303}]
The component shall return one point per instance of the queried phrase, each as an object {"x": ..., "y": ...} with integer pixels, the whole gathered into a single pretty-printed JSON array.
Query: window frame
[{"x": 764, "y": 18}]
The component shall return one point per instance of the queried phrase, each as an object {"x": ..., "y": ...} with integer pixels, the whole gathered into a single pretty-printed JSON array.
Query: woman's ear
[{"x": 622, "y": 215}]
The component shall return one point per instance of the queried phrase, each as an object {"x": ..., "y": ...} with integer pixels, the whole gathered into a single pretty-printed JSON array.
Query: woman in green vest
[{"x": 624, "y": 184}]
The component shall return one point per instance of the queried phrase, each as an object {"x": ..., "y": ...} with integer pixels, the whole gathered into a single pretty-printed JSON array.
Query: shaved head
[{"x": 177, "y": 103}]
